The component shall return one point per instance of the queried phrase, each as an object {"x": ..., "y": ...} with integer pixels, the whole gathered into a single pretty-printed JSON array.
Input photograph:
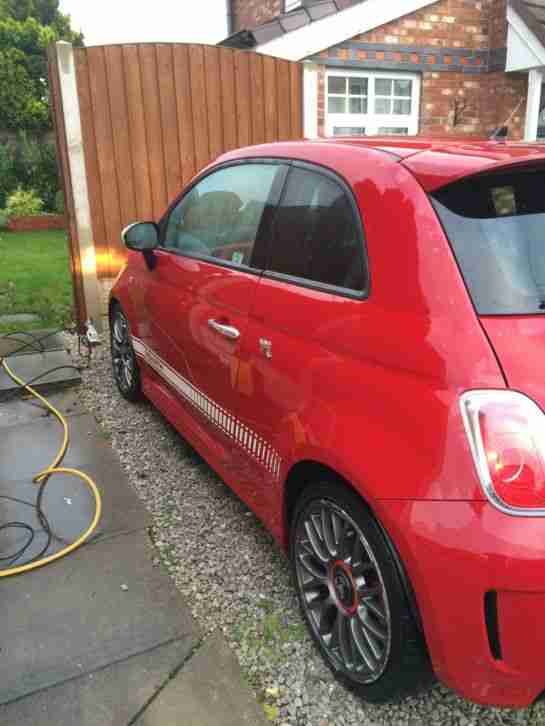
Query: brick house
[{"x": 407, "y": 66}]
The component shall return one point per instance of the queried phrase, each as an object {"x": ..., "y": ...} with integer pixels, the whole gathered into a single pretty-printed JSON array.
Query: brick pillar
[{"x": 497, "y": 24}]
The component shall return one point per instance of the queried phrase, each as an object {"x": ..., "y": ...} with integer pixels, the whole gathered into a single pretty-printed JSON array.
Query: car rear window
[{"x": 496, "y": 225}]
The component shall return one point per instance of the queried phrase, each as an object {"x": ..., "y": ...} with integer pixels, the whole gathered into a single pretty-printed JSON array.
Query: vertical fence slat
[
  {"x": 257, "y": 94},
  {"x": 213, "y": 100},
  {"x": 92, "y": 171},
  {"x": 169, "y": 120},
  {"x": 185, "y": 112},
  {"x": 296, "y": 100},
  {"x": 200, "y": 120},
  {"x": 283, "y": 106},
  {"x": 136, "y": 124},
  {"x": 105, "y": 147},
  {"x": 243, "y": 101},
  {"x": 154, "y": 132},
  {"x": 228, "y": 100},
  {"x": 271, "y": 99},
  {"x": 113, "y": 56}
]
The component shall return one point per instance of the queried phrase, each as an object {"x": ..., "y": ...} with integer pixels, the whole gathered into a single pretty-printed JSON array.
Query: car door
[
  {"x": 298, "y": 372},
  {"x": 202, "y": 286}
]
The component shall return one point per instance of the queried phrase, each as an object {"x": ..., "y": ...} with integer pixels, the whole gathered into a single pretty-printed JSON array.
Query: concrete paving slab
[
  {"x": 18, "y": 318},
  {"x": 24, "y": 408},
  {"x": 208, "y": 691},
  {"x": 35, "y": 342},
  {"x": 108, "y": 697},
  {"x": 74, "y": 617},
  {"x": 30, "y": 447},
  {"x": 28, "y": 367},
  {"x": 67, "y": 503}
]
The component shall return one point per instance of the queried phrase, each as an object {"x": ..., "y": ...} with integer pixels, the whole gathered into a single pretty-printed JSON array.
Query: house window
[
  {"x": 349, "y": 131},
  {"x": 291, "y": 5},
  {"x": 371, "y": 102}
]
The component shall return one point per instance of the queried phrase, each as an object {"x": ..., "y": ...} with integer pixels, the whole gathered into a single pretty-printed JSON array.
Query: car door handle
[{"x": 226, "y": 330}]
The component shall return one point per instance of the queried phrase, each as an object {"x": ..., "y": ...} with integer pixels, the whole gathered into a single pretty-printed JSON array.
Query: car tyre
[
  {"x": 124, "y": 364},
  {"x": 352, "y": 596}
]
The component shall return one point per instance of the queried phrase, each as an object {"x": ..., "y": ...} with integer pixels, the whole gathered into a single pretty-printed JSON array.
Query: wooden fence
[{"x": 152, "y": 115}]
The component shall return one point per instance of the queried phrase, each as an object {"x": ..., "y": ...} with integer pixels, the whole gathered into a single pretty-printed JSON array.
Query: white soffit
[
  {"x": 334, "y": 29},
  {"x": 524, "y": 50}
]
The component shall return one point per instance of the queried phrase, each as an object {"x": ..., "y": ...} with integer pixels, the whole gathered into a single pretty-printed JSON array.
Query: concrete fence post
[{"x": 80, "y": 194}]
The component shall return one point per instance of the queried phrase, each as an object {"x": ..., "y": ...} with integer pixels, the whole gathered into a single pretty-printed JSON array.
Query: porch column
[
  {"x": 310, "y": 100},
  {"x": 535, "y": 80}
]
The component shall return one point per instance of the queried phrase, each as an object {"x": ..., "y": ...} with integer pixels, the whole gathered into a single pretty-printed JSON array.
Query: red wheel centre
[{"x": 342, "y": 587}]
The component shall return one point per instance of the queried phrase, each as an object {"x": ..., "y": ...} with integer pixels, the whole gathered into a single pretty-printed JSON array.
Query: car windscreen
[{"x": 496, "y": 226}]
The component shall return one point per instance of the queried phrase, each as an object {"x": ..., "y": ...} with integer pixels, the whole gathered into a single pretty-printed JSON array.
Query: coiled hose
[{"x": 42, "y": 478}]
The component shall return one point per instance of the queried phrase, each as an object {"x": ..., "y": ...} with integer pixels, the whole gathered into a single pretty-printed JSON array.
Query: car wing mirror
[{"x": 141, "y": 236}]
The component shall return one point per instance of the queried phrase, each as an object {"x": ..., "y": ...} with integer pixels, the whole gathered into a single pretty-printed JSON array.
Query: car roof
[{"x": 435, "y": 161}]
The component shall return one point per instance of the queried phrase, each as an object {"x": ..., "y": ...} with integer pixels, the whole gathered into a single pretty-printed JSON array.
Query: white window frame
[{"x": 371, "y": 121}]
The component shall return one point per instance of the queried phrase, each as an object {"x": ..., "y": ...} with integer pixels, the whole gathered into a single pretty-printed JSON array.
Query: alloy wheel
[
  {"x": 342, "y": 591},
  {"x": 122, "y": 353}
]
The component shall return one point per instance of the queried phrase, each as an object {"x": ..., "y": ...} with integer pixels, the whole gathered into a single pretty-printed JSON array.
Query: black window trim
[
  {"x": 312, "y": 284},
  {"x": 263, "y": 227}
]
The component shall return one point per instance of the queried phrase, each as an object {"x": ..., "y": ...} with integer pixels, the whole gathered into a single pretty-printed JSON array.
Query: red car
[{"x": 352, "y": 333}]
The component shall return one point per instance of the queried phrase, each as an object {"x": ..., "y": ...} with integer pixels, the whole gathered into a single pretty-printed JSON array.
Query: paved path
[{"x": 101, "y": 637}]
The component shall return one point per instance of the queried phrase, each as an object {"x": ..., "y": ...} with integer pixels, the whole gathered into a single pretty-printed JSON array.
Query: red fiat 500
[{"x": 352, "y": 333}]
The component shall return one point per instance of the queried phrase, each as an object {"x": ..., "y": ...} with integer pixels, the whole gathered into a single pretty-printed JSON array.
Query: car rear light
[{"x": 506, "y": 432}]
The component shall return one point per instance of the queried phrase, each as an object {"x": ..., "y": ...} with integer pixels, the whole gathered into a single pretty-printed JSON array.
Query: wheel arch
[{"x": 300, "y": 476}]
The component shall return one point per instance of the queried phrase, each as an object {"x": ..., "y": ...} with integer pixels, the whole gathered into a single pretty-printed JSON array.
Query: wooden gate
[{"x": 149, "y": 117}]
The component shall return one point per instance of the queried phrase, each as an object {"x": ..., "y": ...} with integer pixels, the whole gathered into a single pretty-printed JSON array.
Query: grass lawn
[{"x": 35, "y": 278}]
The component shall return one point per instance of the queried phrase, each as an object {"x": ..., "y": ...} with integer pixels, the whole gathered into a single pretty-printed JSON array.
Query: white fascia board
[
  {"x": 334, "y": 29},
  {"x": 524, "y": 50}
]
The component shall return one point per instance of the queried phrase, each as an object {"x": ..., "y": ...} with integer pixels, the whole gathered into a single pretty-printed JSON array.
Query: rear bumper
[{"x": 456, "y": 552}]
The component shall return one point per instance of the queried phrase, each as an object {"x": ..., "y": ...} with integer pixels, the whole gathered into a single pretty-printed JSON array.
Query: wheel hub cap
[{"x": 343, "y": 587}]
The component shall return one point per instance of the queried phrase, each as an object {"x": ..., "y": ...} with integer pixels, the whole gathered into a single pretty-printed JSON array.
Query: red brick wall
[
  {"x": 497, "y": 23},
  {"x": 249, "y": 13},
  {"x": 447, "y": 24},
  {"x": 321, "y": 102},
  {"x": 502, "y": 95},
  {"x": 40, "y": 222},
  {"x": 489, "y": 99}
]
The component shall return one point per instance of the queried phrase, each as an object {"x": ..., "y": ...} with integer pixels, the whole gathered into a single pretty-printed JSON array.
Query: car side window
[
  {"x": 317, "y": 236},
  {"x": 221, "y": 216}
]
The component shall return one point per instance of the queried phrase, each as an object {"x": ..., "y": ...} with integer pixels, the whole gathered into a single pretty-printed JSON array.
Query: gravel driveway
[{"x": 235, "y": 578}]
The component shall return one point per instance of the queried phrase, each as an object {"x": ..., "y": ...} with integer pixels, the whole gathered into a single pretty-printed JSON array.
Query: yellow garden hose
[{"x": 54, "y": 468}]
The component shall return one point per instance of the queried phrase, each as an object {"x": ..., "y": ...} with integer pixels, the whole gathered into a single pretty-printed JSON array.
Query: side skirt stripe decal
[{"x": 229, "y": 424}]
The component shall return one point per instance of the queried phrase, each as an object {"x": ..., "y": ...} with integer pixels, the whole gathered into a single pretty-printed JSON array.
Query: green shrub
[
  {"x": 8, "y": 177},
  {"x": 3, "y": 219},
  {"x": 23, "y": 203},
  {"x": 59, "y": 202},
  {"x": 29, "y": 163}
]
